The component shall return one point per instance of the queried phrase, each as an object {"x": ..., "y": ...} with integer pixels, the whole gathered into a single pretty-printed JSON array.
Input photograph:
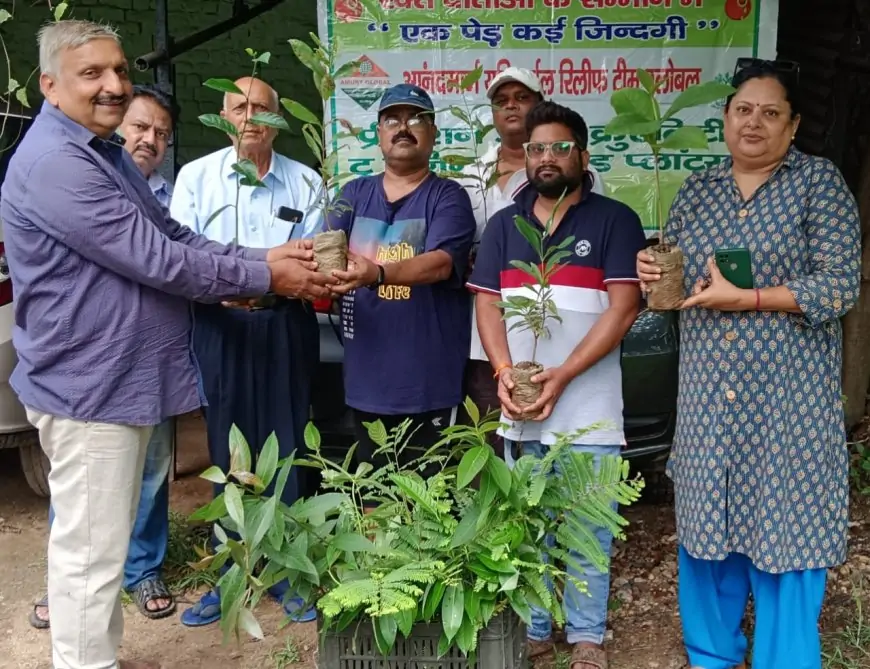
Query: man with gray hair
[{"x": 103, "y": 281}]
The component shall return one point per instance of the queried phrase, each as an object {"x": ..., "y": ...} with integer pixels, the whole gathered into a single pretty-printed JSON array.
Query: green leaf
[
  {"x": 215, "y": 214},
  {"x": 472, "y": 410},
  {"x": 456, "y": 160},
  {"x": 466, "y": 638},
  {"x": 12, "y": 87},
  {"x": 385, "y": 633},
  {"x": 60, "y": 10},
  {"x": 247, "y": 170},
  {"x": 21, "y": 96},
  {"x": 270, "y": 120},
  {"x": 305, "y": 54},
  {"x": 444, "y": 645},
  {"x": 631, "y": 124},
  {"x": 346, "y": 69},
  {"x": 466, "y": 530},
  {"x": 214, "y": 474},
  {"x": 647, "y": 80},
  {"x": 633, "y": 101},
  {"x": 263, "y": 58},
  {"x": 377, "y": 433},
  {"x": 234, "y": 506},
  {"x": 472, "y": 604},
  {"x": 696, "y": 96},
  {"x": 267, "y": 461},
  {"x": 283, "y": 475},
  {"x": 300, "y": 111},
  {"x": 240, "y": 452},
  {"x": 219, "y": 122},
  {"x": 220, "y": 533},
  {"x": 471, "y": 464},
  {"x": 405, "y": 621},
  {"x": 249, "y": 623},
  {"x": 265, "y": 521},
  {"x": 530, "y": 232},
  {"x": 223, "y": 85},
  {"x": 214, "y": 510},
  {"x": 452, "y": 609},
  {"x": 353, "y": 543},
  {"x": 520, "y": 606},
  {"x": 312, "y": 437},
  {"x": 500, "y": 473},
  {"x": 687, "y": 137},
  {"x": 4, "y": 16},
  {"x": 471, "y": 78},
  {"x": 432, "y": 599}
]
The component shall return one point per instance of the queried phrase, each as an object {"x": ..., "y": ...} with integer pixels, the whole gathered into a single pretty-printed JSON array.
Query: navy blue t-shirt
[
  {"x": 606, "y": 238},
  {"x": 405, "y": 347}
]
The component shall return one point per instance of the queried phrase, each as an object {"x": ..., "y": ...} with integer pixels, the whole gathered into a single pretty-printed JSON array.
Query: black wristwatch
[{"x": 377, "y": 283}]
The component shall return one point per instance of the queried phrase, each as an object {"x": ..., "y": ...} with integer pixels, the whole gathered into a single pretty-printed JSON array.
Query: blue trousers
[
  {"x": 713, "y": 597},
  {"x": 150, "y": 536},
  {"x": 585, "y": 613},
  {"x": 256, "y": 370}
]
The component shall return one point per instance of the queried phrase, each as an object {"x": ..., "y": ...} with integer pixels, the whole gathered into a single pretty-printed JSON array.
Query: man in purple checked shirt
[{"x": 103, "y": 280}]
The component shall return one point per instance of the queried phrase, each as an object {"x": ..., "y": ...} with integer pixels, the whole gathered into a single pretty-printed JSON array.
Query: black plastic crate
[{"x": 501, "y": 645}]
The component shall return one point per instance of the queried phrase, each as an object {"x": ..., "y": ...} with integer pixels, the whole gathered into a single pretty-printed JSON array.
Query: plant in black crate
[{"x": 446, "y": 566}]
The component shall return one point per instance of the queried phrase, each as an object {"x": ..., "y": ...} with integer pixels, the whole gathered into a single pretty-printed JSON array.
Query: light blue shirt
[
  {"x": 161, "y": 188},
  {"x": 209, "y": 183}
]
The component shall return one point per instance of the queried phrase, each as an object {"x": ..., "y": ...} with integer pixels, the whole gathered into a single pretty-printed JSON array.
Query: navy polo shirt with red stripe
[{"x": 606, "y": 237}]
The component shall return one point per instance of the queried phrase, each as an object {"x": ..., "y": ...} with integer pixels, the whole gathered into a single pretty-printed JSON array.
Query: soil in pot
[
  {"x": 330, "y": 251},
  {"x": 668, "y": 293},
  {"x": 526, "y": 393}
]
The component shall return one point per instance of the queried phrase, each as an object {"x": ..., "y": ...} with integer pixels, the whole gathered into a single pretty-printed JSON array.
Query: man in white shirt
[
  {"x": 513, "y": 93},
  {"x": 256, "y": 364}
]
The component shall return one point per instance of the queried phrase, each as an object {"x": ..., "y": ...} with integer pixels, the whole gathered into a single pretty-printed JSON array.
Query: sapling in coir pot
[
  {"x": 330, "y": 246},
  {"x": 534, "y": 307},
  {"x": 639, "y": 113}
]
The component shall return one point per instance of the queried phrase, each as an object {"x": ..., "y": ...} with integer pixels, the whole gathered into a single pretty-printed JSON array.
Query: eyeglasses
[
  {"x": 394, "y": 123},
  {"x": 789, "y": 68},
  {"x": 556, "y": 149}
]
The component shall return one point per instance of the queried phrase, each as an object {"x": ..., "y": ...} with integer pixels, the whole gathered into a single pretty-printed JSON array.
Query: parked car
[
  {"x": 649, "y": 372},
  {"x": 15, "y": 430}
]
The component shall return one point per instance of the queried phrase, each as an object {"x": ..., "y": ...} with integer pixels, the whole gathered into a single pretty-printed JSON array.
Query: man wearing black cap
[{"x": 406, "y": 317}]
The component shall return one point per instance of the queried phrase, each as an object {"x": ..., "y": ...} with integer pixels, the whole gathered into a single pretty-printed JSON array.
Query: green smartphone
[{"x": 736, "y": 266}]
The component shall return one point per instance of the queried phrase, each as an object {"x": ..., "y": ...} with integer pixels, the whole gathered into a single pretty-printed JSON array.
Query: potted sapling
[
  {"x": 330, "y": 246},
  {"x": 533, "y": 309},
  {"x": 639, "y": 113}
]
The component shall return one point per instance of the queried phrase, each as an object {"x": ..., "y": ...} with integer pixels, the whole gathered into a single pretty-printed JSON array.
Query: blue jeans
[
  {"x": 151, "y": 528},
  {"x": 585, "y": 613},
  {"x": 713, "y": 597}
]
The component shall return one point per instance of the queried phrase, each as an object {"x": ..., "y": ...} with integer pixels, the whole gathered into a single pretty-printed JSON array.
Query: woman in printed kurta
[{"x": 760, "y": 462}]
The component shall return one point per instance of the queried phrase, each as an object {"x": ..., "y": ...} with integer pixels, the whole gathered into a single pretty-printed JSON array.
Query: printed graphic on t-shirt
[{"x": 383, "y": 243}]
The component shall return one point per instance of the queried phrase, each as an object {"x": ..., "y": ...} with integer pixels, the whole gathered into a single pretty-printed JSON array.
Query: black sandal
[
  {"x": 35, "y": 620},
  {"x": 149, "y": 590}
]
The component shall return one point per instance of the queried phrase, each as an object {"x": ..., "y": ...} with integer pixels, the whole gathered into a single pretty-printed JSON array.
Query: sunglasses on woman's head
[{"x": 789, "y": 68}]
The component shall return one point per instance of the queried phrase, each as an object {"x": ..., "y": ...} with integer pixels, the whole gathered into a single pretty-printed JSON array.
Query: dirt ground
[{"x": 644, "y": 628}]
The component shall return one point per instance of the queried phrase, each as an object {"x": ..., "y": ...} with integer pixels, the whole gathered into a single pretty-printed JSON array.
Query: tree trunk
[{"x": 856, "y": 325}]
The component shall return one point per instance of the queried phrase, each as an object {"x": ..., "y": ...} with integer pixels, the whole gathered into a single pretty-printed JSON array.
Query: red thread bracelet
[{"x": 758, "y": 299}]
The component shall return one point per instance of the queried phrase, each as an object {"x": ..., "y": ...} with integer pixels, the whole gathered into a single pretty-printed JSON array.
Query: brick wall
[{"x": 221, "y": 57}]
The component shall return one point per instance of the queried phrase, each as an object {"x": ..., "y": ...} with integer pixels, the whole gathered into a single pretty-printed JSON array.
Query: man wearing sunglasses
[
  {"x": 405, "y": 313},
  {"x": 492, "y": 183},
  {"x": 597, "y": 296}
]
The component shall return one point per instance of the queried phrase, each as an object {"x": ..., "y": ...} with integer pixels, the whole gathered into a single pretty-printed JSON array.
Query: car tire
[{"x": 34, "y": 463}]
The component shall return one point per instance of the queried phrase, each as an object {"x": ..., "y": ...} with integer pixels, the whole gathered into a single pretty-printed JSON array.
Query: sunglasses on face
[
  {"x": 788, "y": 68},
  {"x": 556, "y": 149},
  {"x": 394, "y": 122}
]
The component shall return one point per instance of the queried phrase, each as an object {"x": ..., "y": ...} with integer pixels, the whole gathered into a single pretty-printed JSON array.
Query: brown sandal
[
  {"x": 540, "y": 649},
  {"x": 588, "y": 656}
]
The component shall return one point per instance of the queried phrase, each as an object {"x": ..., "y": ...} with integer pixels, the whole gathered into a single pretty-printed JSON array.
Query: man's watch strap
[{"x": 377, "y": 283}]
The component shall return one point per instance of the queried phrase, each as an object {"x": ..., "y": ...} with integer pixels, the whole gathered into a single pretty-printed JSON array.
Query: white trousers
[{"x": 95, "y": 480}]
